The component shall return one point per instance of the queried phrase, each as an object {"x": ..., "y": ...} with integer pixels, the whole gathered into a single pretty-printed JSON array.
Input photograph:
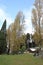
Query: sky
[{"x": 10, "y": 8}]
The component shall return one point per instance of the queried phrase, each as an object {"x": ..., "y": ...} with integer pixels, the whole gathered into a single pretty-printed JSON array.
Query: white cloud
[
  {"x": 3, "y": 16},
  {"x": 27, "y": 13},
  {"x": 28, "y": 23}
]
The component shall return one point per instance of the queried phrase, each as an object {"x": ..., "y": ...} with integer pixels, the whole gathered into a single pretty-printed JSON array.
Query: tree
[
  {"x": 3, "y": 44},
  {"x": 37, "y": 16},
  {"x": 3, "y": 29},
  {"x": 19, "y": 23},
  {"x": 27, "y": 40},
  {"x": 8, "y": 40},
  {"x": 16, "y": 32}
]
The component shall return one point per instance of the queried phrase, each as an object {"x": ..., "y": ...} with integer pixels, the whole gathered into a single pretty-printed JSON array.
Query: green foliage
[
  {"x": 18, "y": 42},
  {"x": 23, "y": 49},
  {"x": 28, "y": 36},
  {"x": 3, "y": 29},
  {"x": 2, "y": 43}
]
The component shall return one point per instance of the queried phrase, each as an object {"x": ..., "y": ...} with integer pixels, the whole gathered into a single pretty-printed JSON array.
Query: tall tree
[
  {"x": 37, "y": 16},
  {"x": 19, "y": 23},
  {"x": 3, "y": 44},
  {"x": 16, "y": 31}
]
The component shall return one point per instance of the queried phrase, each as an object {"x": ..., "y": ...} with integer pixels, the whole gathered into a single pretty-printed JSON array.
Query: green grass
[{"x": 22, "y": 59}]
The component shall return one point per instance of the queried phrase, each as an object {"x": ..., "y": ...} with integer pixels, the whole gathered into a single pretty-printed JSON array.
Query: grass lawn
[{"x": 22, "y": 59}]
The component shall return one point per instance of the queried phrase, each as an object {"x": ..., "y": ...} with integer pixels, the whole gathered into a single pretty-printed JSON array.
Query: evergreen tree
[{"x": 3, "y": 44}]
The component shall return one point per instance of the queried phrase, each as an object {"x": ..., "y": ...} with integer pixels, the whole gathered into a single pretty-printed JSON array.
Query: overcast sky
[{"x": 10, "y": 8}]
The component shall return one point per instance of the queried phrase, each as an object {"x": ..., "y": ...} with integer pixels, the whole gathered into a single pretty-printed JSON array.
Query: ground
[{"x": 22, "y": 59}]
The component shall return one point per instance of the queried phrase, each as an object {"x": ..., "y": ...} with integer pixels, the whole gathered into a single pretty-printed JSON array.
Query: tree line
[{"x": 13, "y": 39}]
